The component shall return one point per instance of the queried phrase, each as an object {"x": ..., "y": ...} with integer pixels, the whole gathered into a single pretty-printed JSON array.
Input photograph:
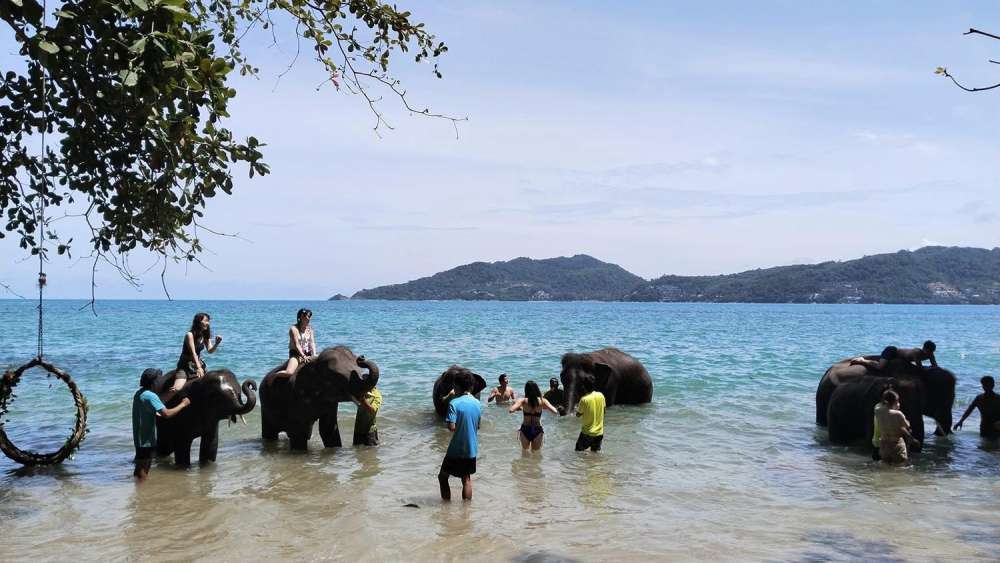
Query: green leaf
[
  {"x": 65, "y": 14},
  {"x": 48, "y": 47},
  {"x": 129, "y": 77},
  {"x": 138, "y": 47},
  {"x": 141, "y": 4},
  {"x": 18, "y": 3}
]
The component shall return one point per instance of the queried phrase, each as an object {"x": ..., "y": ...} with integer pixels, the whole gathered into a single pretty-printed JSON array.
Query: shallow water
[{"x": 726, "y": 463}]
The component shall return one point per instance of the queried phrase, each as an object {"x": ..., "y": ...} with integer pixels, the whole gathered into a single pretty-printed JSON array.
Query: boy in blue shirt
[
  {"x": 146, "y": 406},
  {"x": 463, "y": 417}
]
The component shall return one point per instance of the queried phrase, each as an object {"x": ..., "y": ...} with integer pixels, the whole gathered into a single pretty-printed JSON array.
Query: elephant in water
[
  {"x": 621, "y": 378},
  {"x": 847, "y": 394},
  {"x": 214, "y": 397},
  {"x": 292, "y": 404},
  {"x": 445, "y": 384}
]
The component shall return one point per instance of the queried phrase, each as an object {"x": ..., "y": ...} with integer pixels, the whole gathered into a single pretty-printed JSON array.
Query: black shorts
[
  {"x": 459, "y": 466},
  {"x": 592, "y": 442},
  {"x": 369, "y": 439},
  {"x": 144, "y": 457}
]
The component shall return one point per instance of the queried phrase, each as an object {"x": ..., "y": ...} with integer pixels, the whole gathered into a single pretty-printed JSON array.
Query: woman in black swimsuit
[
  {"x": 532, "y": 404},
  {"x": 190, "y": 365}
]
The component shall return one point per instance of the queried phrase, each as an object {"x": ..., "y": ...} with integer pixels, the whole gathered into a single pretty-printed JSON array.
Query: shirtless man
[
  {"x": 918, "y": 355},
  {"x": 988, "y": 403},
  {"x": 502, "y": 393},
  {"x": 889, "y": 354}
]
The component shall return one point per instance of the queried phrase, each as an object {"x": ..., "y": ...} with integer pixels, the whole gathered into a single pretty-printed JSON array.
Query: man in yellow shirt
[
  {"x": 365, "y": 431},
  {"x": 591, "y": 409}
]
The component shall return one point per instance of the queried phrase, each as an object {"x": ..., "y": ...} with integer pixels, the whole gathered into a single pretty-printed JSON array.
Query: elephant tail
[{"x": 249, "y": 388}]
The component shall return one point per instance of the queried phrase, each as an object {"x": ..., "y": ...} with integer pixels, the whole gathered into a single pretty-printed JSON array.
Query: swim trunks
[
  {"x": 592, "y": 442},
  {"x": 458, "y": 466}
]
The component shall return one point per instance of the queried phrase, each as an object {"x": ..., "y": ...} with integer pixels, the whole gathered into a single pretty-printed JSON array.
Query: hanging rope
[
  {"x": 45, "y": 186},
  {"x": 11, "y": 378}
]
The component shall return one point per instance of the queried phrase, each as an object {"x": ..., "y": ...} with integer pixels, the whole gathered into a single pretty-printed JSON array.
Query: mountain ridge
[{"x": 933, "y": 274}]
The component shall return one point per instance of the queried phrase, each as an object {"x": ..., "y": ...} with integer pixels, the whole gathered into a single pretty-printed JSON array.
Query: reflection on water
[{"x": 726, "y": 463}]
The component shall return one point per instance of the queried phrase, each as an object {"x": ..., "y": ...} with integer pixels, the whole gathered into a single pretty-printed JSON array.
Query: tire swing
[
  {"x": 10, "y": 379},
  {"x": 7, "y": 384}
]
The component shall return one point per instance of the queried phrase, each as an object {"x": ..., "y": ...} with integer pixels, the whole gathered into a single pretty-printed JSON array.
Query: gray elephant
[
  {"x": 621, "y": 378},
  {"x": 293, "y": 404},
  {"x": 847, "y": 393},
  {"x": 445, "y": 384},
  {"x": 214, "y": 397}
]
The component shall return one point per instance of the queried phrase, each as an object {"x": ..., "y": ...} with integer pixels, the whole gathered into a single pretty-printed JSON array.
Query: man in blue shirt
[
  {"x": 463, "y": 417},
  {"x": 146, "y": 406}
]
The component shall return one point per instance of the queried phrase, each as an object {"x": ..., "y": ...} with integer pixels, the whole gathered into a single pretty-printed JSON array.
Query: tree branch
[{"x": 976, "y": 31}]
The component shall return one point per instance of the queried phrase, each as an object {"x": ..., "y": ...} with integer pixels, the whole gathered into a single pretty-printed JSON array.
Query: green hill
[
  {"x": 522, "y": 279},
  {"x": 934, "y": 274}
]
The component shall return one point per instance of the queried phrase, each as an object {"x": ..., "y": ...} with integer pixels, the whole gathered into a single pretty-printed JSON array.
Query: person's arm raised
[
  {"x": 548, "y": 406},
  {"x": 211, "y": 346},
  {"x": 516, "y": 406}
]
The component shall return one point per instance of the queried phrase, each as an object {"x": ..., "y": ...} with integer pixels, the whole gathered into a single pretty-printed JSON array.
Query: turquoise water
[{"x": 726, "y": 463}]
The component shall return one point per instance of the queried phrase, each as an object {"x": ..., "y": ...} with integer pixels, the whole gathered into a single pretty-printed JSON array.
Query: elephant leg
[
  {"x": 269, "y": 427},
  {"x": 182, "y": 452},
  {"x": 209, "y": 444},
  {"x": 329, "y": 431},
  {"x": 299, "y": 434}
]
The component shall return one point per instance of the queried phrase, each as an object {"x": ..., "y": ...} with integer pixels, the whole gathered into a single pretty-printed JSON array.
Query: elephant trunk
[
  {"x": 569, "y": 398},
  {"x": 245, "y": 407},
  {"x": 371, "y": 380}
]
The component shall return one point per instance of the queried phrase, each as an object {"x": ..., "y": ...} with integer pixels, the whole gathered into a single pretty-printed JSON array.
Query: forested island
[{"x": 933, "y": 274}]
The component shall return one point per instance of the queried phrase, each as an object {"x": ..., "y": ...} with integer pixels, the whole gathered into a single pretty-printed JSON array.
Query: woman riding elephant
[
  {"x": 621, "y": 378},
  {"x": 444, "y": 387},
  {"x": 293, "y": 404},
  {"x": 214, "y": 397}
]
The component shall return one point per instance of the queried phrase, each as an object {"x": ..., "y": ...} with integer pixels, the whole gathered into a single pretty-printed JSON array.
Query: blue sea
[{"x": 725, "y": 464}]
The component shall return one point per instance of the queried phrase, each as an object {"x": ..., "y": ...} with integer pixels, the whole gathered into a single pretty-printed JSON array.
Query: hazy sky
[{"x": 665, "y": 138}]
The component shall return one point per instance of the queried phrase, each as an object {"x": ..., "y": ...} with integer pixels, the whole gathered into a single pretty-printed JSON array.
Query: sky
[{"x": 663, "y": 137}]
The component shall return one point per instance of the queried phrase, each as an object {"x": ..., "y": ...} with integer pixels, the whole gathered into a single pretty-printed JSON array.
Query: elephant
[
  {"x": 291, "y": 405},
  {"x": 847, "y": 394},
  {"x": 214, "y": 397},
  {"x": 445, "y": 384},
  {"x": 621, "y": 378}
]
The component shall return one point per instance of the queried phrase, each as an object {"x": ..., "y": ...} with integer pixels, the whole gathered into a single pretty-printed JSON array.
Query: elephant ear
[
  {"x": 602, "y": 374},
  {"x": 479, "y": 384}
]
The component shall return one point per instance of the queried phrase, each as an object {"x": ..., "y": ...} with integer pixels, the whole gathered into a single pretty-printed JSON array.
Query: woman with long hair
[
  {"x": 190, "y": 365},
  {"x": 532, "y": 404},
  {"x": 301, "y": 343}
]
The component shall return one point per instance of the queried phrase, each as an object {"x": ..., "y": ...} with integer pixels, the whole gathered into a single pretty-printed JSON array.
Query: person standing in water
[
  {"x": 301, "y": 343},
  {"x": 502, "y": 393},
  {"x": 464, "y": 414},
  {"x": 146, "y": 406},
  {"x": 190, "y": 365},
  {"x": 591, "y": 409},
  {"x": 555, "y": 395},
  {"x": 532, "y": 404},
  {"x": 988, "y": 403},
  {"x": 365, "y": 431},
  {"x": 894, "y": 430}
]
